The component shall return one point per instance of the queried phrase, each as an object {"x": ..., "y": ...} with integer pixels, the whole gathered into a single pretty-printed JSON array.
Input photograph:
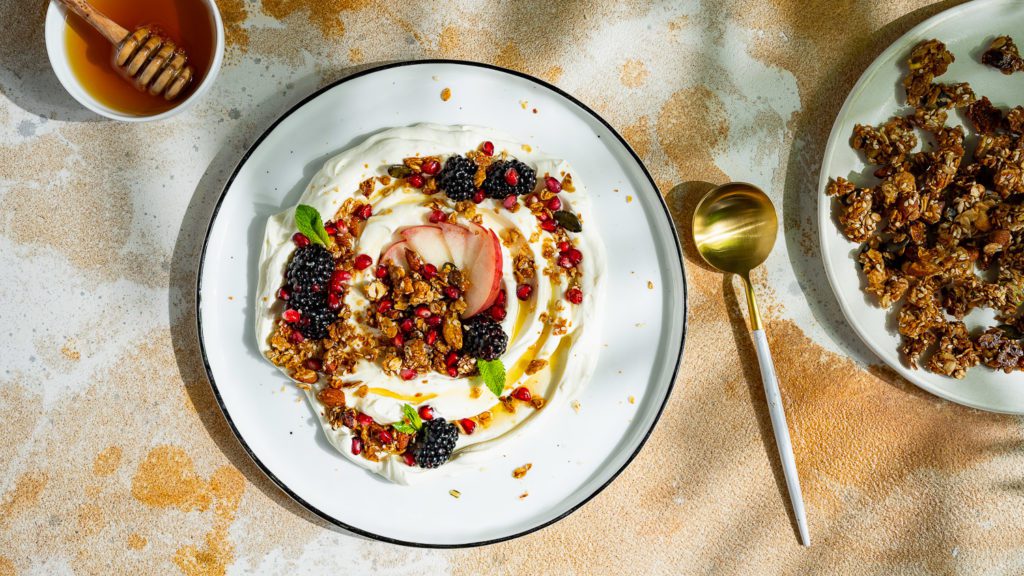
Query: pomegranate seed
[
  {"x": 468, "y": 425},
  {"x": 548, "y": 226},
  {"x": 510, "y": 201},
  {"x": 291, "y": 315},
  {"x": 487, "y": 148},
  {"x": 300, "y": 239},
  {"x": 563, "y": 246},
  {"x": 333, "y": 302},
  {"x": 543, "y": 216},
  {"x": 357, "y": 446},
  {"x": 364, "y": 419},
  {"x": 453, "y": 372},
  {"x": 554, "y": 204},
  {"x": 524, "y": 291},
  {"x": 574, "y": 255},
  {"x": 434, "y": 321},
  {"x": 381, "y": 272},
  {"x": 339, "y": 276},
  {"x": 383, "y": 306},
  {"x": 398, "y": 340},
  {"x": 511, "y": 177},
  {"x": 331, "y": 229},
  {"x": 426, "y": 412},
  {"x": 502, "y": 298},
  {"x": 364, "y": 211},
  {"x": 478, "y": 196},
  {"x": 363, "y": 262},
  {"x": 296, "y": 337},
  {"x": 431, "y": 167},
  {"x": 417, "y": 181},
  {"x": 407, "y": 373},
  {"x": 284, "y": 294},
  {"x": 431, "y": 337},
  {"x": 498, "y": 313},
  {"x": 422, "y": 311},
  {"x": 522, "y": 393},
  {"x": 565, "y": 262},
  {"x": 313, "y": 364},
  {"x": 452, "y": 359},
  {"x": 385, "y": 437},
  {"x": 410, "y": 460},
  {"x": 574, "y": 295},
  {"x": 437, "y": 216},
  {"x": 553, "y": 185},
  {"x": 407, "y": 325},
  {"x": 429, "y": 271},
  {"x": 451, "y": 292}
]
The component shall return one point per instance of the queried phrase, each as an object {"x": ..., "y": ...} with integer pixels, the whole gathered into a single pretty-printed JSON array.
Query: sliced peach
[
  {"x": 428, "y": 242},
  {"x": 396, "y": 254},
  {"x": 483, "y": 273},
  {"x": 461, "y": 243}
]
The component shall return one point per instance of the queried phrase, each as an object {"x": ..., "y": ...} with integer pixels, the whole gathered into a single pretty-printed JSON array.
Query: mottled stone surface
[{"x": 117, "y": 460}]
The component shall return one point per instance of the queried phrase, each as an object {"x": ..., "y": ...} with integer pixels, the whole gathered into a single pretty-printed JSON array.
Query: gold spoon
[{"x": 734, "y": 228}]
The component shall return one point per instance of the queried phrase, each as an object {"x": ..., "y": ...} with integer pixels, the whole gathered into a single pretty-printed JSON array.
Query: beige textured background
[{"x": 115, "y": 459}]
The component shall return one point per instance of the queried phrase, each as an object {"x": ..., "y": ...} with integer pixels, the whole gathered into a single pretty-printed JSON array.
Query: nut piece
[{"x": 331, "y": 397}]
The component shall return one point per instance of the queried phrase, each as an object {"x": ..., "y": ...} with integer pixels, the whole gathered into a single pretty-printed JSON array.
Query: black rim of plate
[{"x": 202, "y": 265}]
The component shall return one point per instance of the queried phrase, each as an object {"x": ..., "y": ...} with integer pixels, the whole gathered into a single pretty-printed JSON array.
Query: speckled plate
[
  {"x": 574, "y": 455},
  {"x": 967, "y": 30}
]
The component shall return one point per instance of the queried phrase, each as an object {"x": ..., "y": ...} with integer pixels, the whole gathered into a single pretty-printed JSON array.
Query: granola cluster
[
  {"x": 941, "y": 230},
  {"x": 1003, "y": 55}
]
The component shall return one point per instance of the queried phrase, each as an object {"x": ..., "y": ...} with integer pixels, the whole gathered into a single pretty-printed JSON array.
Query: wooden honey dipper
[{"x": 150, "y": 60}]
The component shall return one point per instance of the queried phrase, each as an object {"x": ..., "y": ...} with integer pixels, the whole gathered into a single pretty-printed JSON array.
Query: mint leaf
[
  {"x": 403, "y": 428},
  {"x": 308, "y": 221},
  {"x": 412, "y": 416},
  {"x": 493, "y": 374}
]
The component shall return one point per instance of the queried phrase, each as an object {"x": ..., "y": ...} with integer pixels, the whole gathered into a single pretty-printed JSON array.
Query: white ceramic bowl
[{"x": 56, "y": 49}]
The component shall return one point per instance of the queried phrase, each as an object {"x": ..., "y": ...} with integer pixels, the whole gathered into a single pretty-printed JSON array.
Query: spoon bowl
[{"x": 734, "y": 227}]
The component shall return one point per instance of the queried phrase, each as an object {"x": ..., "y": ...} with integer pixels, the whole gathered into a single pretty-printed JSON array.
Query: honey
[{"x": 188, "y": 23}]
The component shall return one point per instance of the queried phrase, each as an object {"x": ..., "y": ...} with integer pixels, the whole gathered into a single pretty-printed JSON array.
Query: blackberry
[
  {"x": 310, "y": 265},
  {"x": 496, "y": 186},
  {"x": 315, "y": 315},
  {"x": 435, "y": 443},
  {"x": 456, "y": 178},
  {"x": 483, "y": 338}
]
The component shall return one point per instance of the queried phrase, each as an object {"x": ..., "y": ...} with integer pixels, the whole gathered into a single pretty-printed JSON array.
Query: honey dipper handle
[{"x": 110, "y": 29}]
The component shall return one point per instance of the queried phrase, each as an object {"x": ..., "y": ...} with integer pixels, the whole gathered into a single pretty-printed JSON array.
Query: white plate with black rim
[
  {"x": 966, "y": 30},
  {"x": 574, "y": 455}
]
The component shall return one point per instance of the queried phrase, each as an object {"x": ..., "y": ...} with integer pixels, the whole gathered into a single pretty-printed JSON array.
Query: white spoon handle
[{"x": 771, "y": 392}]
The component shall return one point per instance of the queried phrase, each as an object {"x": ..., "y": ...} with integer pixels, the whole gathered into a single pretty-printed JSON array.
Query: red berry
[
  {"x": 429, "y": 271},
  {"x": 333, "y": 302},
  {"x": 410, "y": 459},
  {"x": 398, "y": 341},
  {"x": 451, "y": 292},
  {"x": 364, "y": 419},
  {"x": 434, "y": 321},
  {"x": 497, "y": 312},
  {"x": 478, "y": 196},
  {"x": 363, "y": 262},
  {"x": 511, "y": 177},
  {"x": 543, "y": 216},
  {"x": 431, "y": 167},
  {"x": 384, "y": 306},
  {"x": 554, "y": 204},
  {"x": 524, "y": 291},
  {"x": 451, "y": 359},
  {"x": 431, "y": 337},
  {"x": 453, "y": 371},
  {"x": 417, "y": 181},
  {"x": 423, "y": 311},
  {"x": 553, "y": 185},
  {"x": 381, "y": 272},
  {"x": 313, "y": 364},
  {"x": 364, "y": 211},
  {"x": 487, "y": 148},
  {"x": 331, "y": 229},
  {"x": 563, "y": 246},
  {"x": 300, "y": 239},
  {"x": 407, "y": 373},
  {"x": 502, "y": 298},
  {"x": 548, "y": 226},
  {"x": 510, "y": 201},
  {"x": 291, "y": 315},
  {"x": 574, "y": 255},
  {"x": 468, "y": 424},
  {"x": 426, "y": 412},
  {"x": 522, "y": 393},
  {"x": 407, "y": 325},
  {"x": 574, "y": 295},
  {"x": 357, "y": 446},
  {"x": 565, "y": 262},
  {"x": 284, "y": 294},
  {"x": 437, "y": 216},
  {"x": 385, "y": 436},
  {"x": 296, "y": 337}
]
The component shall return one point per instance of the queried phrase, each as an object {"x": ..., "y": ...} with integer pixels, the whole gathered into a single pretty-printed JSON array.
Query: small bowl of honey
[{"x": 160, "y": 58}]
